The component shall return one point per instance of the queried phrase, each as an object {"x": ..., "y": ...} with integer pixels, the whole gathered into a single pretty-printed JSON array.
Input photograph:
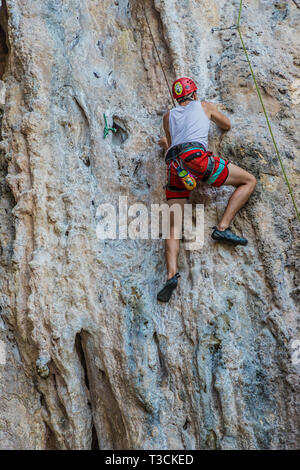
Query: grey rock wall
[{"x": 88, "y": 359}]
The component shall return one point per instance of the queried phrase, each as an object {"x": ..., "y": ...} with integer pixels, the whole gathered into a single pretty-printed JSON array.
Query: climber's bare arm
[
  {"x": 214, "y": 115},
  {"x": 165, "y": 142}
]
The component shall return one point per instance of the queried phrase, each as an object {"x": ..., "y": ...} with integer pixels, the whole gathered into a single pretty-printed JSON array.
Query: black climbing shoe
[
  {"x": 228, "y": 236},
  {"x": 164, "y": 295}
]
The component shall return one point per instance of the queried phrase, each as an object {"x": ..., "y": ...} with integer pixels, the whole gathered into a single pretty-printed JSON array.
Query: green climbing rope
[
  {"x": 265, "y": 113},
  {"x": 107, "y": 129}
]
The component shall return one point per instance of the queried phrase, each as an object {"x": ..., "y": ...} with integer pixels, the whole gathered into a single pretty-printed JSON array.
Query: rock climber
[{"x": 186, "y": 127}]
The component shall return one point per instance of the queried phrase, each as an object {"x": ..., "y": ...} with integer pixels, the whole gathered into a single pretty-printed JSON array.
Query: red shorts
[{"x": 196, "y": 162}]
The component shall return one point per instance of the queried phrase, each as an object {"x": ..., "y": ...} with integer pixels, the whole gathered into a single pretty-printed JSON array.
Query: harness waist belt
[{"x": 177, "y": 150}]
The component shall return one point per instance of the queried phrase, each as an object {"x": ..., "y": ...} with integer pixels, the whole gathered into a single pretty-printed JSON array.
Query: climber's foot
[
  {"x": 165, "y": 293},
  {"x": 228, "y": 236}
]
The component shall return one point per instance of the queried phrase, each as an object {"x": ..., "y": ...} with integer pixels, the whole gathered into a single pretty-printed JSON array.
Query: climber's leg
[
  {"x": 172, "y": 252},
  {"x": 245, "y": 184},
  {"x": 172, "y": 244}
]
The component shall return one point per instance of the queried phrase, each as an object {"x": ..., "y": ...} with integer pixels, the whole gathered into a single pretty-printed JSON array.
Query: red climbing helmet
[{"x": 183, "y": 86}]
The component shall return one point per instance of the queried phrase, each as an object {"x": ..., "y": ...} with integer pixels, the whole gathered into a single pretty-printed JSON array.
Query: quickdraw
[{"x": 107, "y": 129}]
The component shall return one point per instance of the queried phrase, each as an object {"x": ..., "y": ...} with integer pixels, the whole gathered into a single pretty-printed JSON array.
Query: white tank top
[{"x": 189, "y": 124}]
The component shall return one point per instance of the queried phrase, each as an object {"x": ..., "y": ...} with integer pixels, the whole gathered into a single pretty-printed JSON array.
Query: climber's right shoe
[
  {"x": 165, "y": 293},
  {"x": 228, "y": 236}
]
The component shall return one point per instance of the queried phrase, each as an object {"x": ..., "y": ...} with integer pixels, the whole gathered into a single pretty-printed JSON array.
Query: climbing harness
[
  {"x": 161, "y": 65},
  {"x": 107, "y": 129},
  {"x": 173, "y": 158},
  {"x": 265, "y": 112}
]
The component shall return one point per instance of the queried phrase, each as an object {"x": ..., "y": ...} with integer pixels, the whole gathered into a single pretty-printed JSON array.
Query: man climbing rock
[{"x": 186, "y": 127}]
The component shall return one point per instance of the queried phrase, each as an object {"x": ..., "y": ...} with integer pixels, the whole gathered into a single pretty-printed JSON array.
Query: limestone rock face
[{"x": 88, "y": 359}]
